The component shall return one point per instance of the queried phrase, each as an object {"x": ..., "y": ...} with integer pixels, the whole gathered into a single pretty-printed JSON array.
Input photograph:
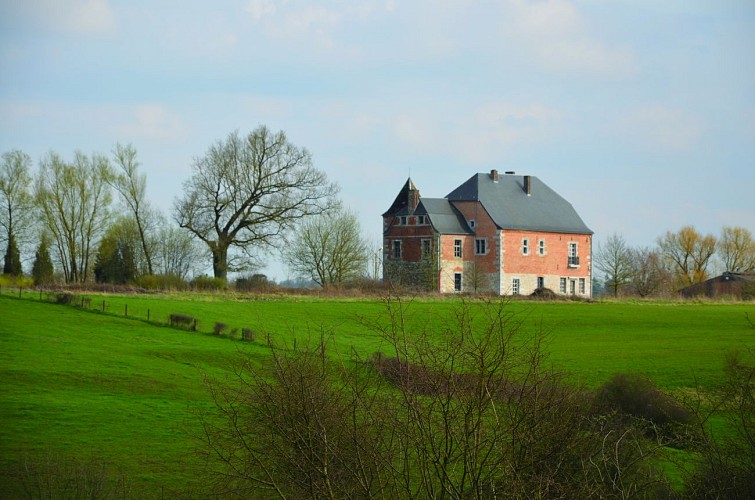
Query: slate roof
[
  {"x": 511, "y": 208},
  {"x": 444, "y": 217},
  {"x": 400, "y": 205}
]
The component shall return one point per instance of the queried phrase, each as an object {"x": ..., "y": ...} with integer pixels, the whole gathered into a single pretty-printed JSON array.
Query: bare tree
[
  {"x": 328, "y": 248},
  {"x": 132, "y": 187},
  {"x": 176, "y": 252},
  {"x": 16, "y": 201},
  {"x": 614, "y": 259},
  {"x": 648, "y": 272},
  {"x": 689, "y": 253},
  {"x": 736, "y": 249},
  {"x": 246, "y": 191},
  {"x": 74, "y": 200}
]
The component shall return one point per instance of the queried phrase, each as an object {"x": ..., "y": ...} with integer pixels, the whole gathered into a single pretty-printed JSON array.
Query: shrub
[
  {"x": 636, "y": 396},
  {"x": 161, "y": 282},
  {"x": 206, "y": 283},
  {"x": 64, "y": 298},
  {"x": 247, "y": 334},
  {"x": 544, "y": 293},
  {"x": 183, "y": 321},
  {"x": 255, "y": 283},
  {"x": 219, "y": 328}
]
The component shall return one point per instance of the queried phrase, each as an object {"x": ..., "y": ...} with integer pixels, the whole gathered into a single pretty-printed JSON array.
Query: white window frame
[
  {"x": 516, "y": 286},
  {"x": 541, "y": 247},
  {"x": 582, "y": 287},
  {"x": 562, "y": 285},
  {"x": 472, "y": 223},
  {"x": 458, "y": 249},
  {"x": 421, "y": 220},
  {"x": 402, "y": 220},
  {"x": 480, "y": 246},
  {"x": 573, "y": 253},
  {"x": 541, "y": 282},
  {"x": 525, "y": 246}
]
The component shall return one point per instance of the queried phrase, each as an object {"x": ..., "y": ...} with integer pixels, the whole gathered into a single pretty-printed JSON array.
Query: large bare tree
[
  {"x": 74, "y": 199},
  {"x": 689, "y": 253},
  {"x": 736, "y": 249},
  {"x": 328, "y": 248},
  {"x": 132, "y": 186},
  {"x": 246, "y": 191}
]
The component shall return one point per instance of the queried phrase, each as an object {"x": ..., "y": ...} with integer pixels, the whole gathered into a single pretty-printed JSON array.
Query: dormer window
[
  {"x": 421, "y": 220},
  {"x": 472, "y": 223},
  {"x": 402, "y": 220}
]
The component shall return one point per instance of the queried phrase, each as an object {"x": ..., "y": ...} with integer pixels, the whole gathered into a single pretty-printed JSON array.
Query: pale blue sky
[{"x": 640, "y": 113}]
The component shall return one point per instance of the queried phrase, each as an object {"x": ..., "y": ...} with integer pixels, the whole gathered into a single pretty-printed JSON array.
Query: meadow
[{"x": 127, "y": 389}]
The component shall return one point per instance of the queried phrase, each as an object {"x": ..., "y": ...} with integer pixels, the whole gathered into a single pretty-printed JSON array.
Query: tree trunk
[{"x": 220, "y": 261}]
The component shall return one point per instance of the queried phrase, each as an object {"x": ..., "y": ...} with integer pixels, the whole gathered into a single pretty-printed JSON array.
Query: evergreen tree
[
  {"x": 115, "y": 262},
  {"x": 12, "y": 258},
  {"x": 42, "y": 270}
]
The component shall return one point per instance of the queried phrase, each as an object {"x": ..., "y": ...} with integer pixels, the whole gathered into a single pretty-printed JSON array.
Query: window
[
  {"x": 541, "y": 247},
  {"x": 540, "y": 282},
  {"x": 457, "y": 282},
  {"x": 472, "y": 223},
  {"x": 525, "y": 246},
  {"x": 582, "y": 286},
  {"x": 573, "y": 257},
  {"x": 572, "y": 287},
  {"x": 515, "y": 286},
  {"x": 562, "y": 285},
  {"x": 396, "y": 249},
  {"x": 426, "y": 247},
  {"x": 421, "y": 220},
  {"x": 402, "y": 220},
  {"x": 457, "y": 249},
  {"x": 480, "y": 246}
]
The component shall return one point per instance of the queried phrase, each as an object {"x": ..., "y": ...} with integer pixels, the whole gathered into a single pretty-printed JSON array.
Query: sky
[{"x": 640, "y": 113}]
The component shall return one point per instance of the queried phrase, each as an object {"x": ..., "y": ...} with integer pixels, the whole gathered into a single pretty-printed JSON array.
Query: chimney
[
  {"x": 494, "y": 175},
  {"x": 527, "y": 185}
]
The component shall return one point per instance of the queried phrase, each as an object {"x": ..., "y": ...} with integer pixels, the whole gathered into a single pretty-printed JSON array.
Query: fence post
[
  {"x": 126, "y": 311},
  {"x": 103, "y": 305},
  {"x": 147, "y": 314},
  {"x": 40, "y": 295},
  {"x": 19, "y": 292}
]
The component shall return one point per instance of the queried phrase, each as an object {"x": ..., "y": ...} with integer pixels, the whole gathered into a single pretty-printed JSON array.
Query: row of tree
[
  {"x": 246, "y": 195},
  {"x": 679, "y": 259}
]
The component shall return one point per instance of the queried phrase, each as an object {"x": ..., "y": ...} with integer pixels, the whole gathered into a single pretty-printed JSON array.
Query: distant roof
[
  {"x": 511, "y": 207},
  {"x": 444, "y": 217}
]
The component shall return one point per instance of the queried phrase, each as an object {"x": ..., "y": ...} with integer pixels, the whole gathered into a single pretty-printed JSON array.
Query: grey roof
[
  {"x": 400, "y": 205},
  {"x": 511, "y": 208},
  {"x": 444, "y": 217}
]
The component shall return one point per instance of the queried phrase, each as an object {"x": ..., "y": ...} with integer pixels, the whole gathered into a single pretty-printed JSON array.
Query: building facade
[{"x": 506, "y": 234}]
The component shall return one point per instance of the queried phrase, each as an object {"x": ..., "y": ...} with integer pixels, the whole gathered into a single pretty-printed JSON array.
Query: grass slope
[{"x": 83, "y": 382}]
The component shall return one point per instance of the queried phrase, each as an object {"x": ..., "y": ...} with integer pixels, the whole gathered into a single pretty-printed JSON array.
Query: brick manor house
[{"x": 507, "y": 234}]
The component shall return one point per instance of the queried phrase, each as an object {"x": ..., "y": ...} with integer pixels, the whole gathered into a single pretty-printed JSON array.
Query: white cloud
[
  {"x": 260, "y": 8},
  {"x": 80, "y": 17},
  {"x": 662, "y": 126},
  {"x": 556, "y": 33},
  {"x": 154, "y": 122},
  {"x": 478, "y": 135}
]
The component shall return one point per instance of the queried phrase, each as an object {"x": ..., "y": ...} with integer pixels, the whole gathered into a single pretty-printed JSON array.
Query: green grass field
[{"x": 83, "y": 382}]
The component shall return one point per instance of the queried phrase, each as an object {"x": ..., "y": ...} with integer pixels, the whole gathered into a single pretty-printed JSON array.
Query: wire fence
[{"x": 101, "y": 305}]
